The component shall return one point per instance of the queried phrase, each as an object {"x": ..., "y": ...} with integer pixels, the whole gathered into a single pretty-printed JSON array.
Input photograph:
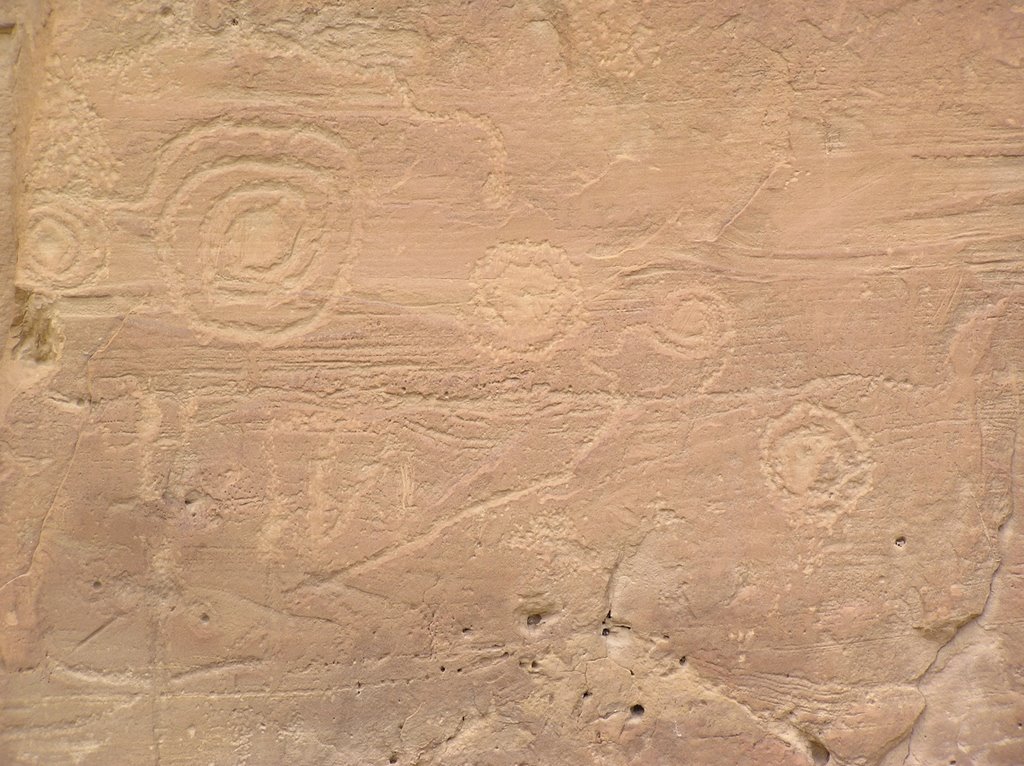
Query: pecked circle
[
  {"x": 692, "y": 322},
  {"x": 526, "y": 298},
  {"x": 814, "y": 455},
  {"x": 59, "y": 249},
  {"x": 53, "y": 245}
]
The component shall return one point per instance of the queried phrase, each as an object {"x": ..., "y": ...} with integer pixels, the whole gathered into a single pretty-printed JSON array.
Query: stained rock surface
[{"x": 529, "y": 382}]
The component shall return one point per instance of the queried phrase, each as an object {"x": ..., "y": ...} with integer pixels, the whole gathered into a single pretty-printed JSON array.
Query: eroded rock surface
[{"x": 540, "y": 382}]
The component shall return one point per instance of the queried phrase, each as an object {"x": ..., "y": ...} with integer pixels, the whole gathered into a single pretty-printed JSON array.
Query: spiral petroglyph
[
  {"x": 692, "y": 321},
  {"x": 256, "y": 230},
  {"x": 658, "y": 329}
]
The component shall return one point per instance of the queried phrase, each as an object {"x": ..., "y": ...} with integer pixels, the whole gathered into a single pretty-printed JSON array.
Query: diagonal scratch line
[
  {"x": 96, "y": 632},
  {"x": 74, "y": 452},
  {"x": 49, "y": 511},
  {"x": 474, "y": 509}
]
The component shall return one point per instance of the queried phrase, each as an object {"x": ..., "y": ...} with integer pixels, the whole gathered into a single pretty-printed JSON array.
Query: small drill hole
[
  {"x": 393, "y": 759},
  {"x": 682, "y": 660},
  {"x": 820, "y": 754},
  {"x": 900, "y": 541},
  {"x": 637, "y": 710},
  {"x": 234, "y": 22},
  {"x": 443, "y": 668},
  {"x": 204, "y": 618},
  {"x": 533, "y": 619},
  {"x": 605, "y": 632},
  {"x": 96, "y": 585}
]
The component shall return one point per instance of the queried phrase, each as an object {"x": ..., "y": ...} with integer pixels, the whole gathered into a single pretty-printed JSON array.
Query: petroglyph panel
[{"x": 549, "y": 382}]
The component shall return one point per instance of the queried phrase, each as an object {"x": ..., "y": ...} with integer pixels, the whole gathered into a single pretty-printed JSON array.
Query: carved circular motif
[
  {"x": 816, "y": 456},
  {"x": 692, "y": 322},
  {"x": 59, "y": 249},
  {"x": 527, "y": 296},
  {"x": 256, "y": 230}
]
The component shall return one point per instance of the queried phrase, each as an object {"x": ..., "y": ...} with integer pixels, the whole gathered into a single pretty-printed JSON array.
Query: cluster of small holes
[{"x": 606, "y": 630}]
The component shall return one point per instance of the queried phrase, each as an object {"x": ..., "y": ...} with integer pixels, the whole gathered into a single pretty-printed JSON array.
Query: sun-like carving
[
  {"x": 527, "y": 296},
  {"x": 814, "y": 456}
]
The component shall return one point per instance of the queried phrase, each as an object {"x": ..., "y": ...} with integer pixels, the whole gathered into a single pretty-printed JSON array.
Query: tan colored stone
[{"x": 542, "y": 382}]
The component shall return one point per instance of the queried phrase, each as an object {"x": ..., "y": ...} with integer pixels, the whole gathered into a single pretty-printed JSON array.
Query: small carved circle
[
  {"x": 527, "y": 296},
  {"x": 816, "y": 456},
  {"x": 59, "y": 249},
  {"x": 693, "y": 322}
]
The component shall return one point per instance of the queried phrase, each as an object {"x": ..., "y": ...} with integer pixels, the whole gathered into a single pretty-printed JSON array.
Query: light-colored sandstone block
[{"x": 539, "y": 382}]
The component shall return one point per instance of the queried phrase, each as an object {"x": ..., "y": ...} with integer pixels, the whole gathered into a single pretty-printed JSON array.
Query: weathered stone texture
[{"x": 528, "y": 382}]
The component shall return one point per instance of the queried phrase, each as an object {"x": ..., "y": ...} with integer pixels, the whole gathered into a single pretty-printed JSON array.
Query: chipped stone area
[
  {"x": 37, "y": 329},
  {"x": 497, "y": 383}
]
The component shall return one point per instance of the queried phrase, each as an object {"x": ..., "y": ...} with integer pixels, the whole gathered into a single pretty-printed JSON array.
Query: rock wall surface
[{"x": 512, "y": 382}]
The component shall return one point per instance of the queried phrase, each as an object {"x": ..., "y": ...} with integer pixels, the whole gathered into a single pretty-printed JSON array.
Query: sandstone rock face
[{"x": 536, "y": 382}]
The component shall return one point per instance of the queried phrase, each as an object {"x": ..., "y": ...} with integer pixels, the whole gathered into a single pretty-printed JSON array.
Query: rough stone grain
[{"x": 528, "y": 382}]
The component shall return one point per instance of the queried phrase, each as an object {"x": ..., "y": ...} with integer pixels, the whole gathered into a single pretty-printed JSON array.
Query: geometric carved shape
[
  {"x": 60, "y": 250},
  {"x": 816, "y": 457},
  {"x": 527, "y": 296},
  {"x": 257, "y": 228}
]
